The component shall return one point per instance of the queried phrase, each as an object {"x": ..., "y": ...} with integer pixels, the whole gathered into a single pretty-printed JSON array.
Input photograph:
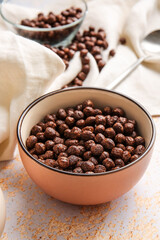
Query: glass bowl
[{"x": 14, "y": 11}]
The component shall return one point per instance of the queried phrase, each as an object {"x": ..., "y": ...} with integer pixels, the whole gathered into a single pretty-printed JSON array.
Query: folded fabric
[
  {"x": 132, "y": 20},
  {"x": 143, "y": 84},
  {"x": 26, "y": 71}
]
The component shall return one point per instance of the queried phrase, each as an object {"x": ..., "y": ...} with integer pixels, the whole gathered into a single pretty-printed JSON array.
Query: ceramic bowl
[
  {"x": 80, "y": 188},
  {"x": 2, "y": 212},
  {"x": 28, "y": 9}
]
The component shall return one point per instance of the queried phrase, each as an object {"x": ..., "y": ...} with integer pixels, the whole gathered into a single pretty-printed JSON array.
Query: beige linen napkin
[
  {"x": 133, "y": 20},
  {"x": 144, "y": 83},
  {"x": 26, "y": 71}
]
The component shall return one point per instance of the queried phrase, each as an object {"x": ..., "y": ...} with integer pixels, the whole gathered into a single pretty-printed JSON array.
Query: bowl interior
[
  {"x": 30, "y": 9},
  {"x": 51, "y": 102}
]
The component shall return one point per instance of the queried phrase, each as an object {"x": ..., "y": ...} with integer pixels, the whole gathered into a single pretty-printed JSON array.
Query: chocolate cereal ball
[
  {"x": 108, "y": 163},
  {"x": 63, "y": 162},
  {"x": 103, "y": 156},
  {"x": 97, "y": 150},
  {"x": 99, "y": 168},
  {"x": 110, "y": 132},
  {"x": 36, "y": 129},
  {"x": 128, "y": 128},
  {"x": 31, "y": 141},
  {"x": 117, "y": 152},
  {"x": 87, "y": 166},
  {"x": 139, "y": 140},
  {"x": 108, "y": 143}
]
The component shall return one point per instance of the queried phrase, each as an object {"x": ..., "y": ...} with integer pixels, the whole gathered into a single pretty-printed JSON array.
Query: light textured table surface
[{"x": 31, "y": 214}]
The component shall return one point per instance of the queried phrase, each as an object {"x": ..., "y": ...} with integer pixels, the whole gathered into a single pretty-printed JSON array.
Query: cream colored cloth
[
  {"x": 133, "y": 20},
  {"x": 27, "y": 69}
]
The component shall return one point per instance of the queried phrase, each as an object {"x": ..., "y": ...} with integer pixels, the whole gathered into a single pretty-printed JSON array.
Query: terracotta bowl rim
[{"x": 27, "y": 109}]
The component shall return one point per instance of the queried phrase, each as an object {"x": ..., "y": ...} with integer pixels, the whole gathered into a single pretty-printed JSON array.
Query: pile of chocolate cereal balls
[{"x": 86, "y": 139}]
